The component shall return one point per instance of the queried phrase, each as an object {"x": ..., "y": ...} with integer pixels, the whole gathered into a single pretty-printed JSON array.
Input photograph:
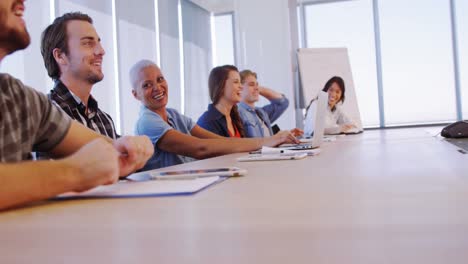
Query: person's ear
[
  {"x": 59, "y": 56},
  {"x": 135, "y": 94}
]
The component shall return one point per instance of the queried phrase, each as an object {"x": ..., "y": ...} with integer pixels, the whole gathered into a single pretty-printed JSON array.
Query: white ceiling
[
  {"x": 216, "y": 6},
  {"x": 221, "y": 6}
]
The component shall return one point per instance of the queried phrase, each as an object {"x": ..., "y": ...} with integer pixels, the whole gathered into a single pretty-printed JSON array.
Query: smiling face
[
  {"x": 151, "y": 88},
  {"x": 250, "y": 91},
  {"x": 233, "y": 88},
  {"x": 334, "y": 94},
  {"x": 85, "y": 53},
  {"x": 13, "y": 33}
]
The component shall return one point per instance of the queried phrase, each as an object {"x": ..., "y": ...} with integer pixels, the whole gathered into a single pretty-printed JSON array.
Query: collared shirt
[
  {"x": 333, "y": 119},
  {"x": 153, "y": 125},
  {"x": 94, "y": 118},
  {"x": 213, "y": 120},
  {"x": 28, "y": 121},
  {"x": 255, "y": 119}
]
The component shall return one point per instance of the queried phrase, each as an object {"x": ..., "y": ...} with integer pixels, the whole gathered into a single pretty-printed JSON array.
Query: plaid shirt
[
  {"x": 95, "y": 119},
  {"x": 28, "y": 121}
]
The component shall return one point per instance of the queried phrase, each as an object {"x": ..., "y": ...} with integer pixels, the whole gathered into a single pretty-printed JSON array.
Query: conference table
[{"x": 384, "y": 196}]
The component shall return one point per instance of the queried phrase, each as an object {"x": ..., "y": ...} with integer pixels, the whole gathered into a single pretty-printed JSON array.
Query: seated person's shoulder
[
  {"x": 206, "y": 117},
  {"x": 5, "y": 77},
  {"x": 208, "y": 122},
  {"x": 148, "y": 121},
  {"x": 17, "y": 91},
  {"x": 180, "y": 119},
  {"x": 210, "y": 115},
  {"x": 244, "y": 114},
  {"x": 241, "y": 109},
  {"x": 9, "y": 82},
  {"x": 173, "y": 112}
]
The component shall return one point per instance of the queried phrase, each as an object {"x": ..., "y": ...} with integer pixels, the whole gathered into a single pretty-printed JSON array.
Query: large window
[
  {"x": 223, "y": 39},
  {"x": 349, "y": 24},
  {"x": 462, "y": 26},
  {"x": 415, "y": 57},
  {"x": 197, "y": 58},
  {"x": 169, "y": 50},
  {"x": 137, "y": 40},
  {"x": 417, "y": 61}
]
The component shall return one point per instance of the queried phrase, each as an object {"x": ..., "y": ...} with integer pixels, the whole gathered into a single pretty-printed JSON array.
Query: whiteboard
[{"x": 317, "y": 66}]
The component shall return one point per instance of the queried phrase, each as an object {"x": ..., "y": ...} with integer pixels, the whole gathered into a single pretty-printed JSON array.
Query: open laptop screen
[{"x": 314, "y": 122}]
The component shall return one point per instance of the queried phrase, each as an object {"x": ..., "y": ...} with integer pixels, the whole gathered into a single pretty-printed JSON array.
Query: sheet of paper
[{"x": 146, "y": 188}]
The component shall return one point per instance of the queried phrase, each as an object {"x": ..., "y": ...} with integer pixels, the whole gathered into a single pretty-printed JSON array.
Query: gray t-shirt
[
  {"x": 152, "y": 125},
  {"x": 28, "y": 121}
]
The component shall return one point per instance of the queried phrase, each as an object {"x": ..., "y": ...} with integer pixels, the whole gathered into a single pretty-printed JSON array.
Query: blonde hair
[{"x": 246, "y": 73}]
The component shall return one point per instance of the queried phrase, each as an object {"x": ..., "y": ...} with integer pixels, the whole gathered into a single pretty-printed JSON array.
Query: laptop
[{"x": 313, "y": 138}]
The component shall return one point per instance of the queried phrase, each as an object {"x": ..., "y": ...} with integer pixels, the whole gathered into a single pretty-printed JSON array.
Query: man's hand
[
  {"x": 134, "y": 152},
  {"x": 96, "y": 163}
]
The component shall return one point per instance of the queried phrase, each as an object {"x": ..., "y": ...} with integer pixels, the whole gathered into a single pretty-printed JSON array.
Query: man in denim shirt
[{"x": 257, "y": 120}]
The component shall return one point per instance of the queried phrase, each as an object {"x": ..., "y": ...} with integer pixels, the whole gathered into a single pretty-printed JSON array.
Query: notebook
[{"x": 149, "y": 188}]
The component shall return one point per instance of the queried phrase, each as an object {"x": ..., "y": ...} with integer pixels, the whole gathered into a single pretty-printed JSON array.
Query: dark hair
[
  {"x": 216, "y": 85},
  {"x": 55, "y": 36},
  {"x": 341, "y": 85}
]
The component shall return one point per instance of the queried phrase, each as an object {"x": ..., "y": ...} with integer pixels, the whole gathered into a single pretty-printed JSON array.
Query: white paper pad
[{"x": 146, "y": 188}]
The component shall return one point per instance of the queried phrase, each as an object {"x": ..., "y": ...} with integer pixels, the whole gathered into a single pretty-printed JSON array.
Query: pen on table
[
  {"x": 188, "y": 177},
  {"x": 192, "y": 177},
  {"x": 174, "y": 177}
]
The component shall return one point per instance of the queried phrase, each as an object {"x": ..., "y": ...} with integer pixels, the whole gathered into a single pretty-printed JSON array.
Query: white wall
[
  {"x": 197, "y": 58},
  {"x": 263, "y": 42},
  {"x": 137, "y": 41},
  {"x": 170, "y": 52},
  {"x": 28, "y": 65}
]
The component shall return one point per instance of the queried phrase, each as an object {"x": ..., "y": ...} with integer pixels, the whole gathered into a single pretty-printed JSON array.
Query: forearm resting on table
[{"x": 35, "y": 180}]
